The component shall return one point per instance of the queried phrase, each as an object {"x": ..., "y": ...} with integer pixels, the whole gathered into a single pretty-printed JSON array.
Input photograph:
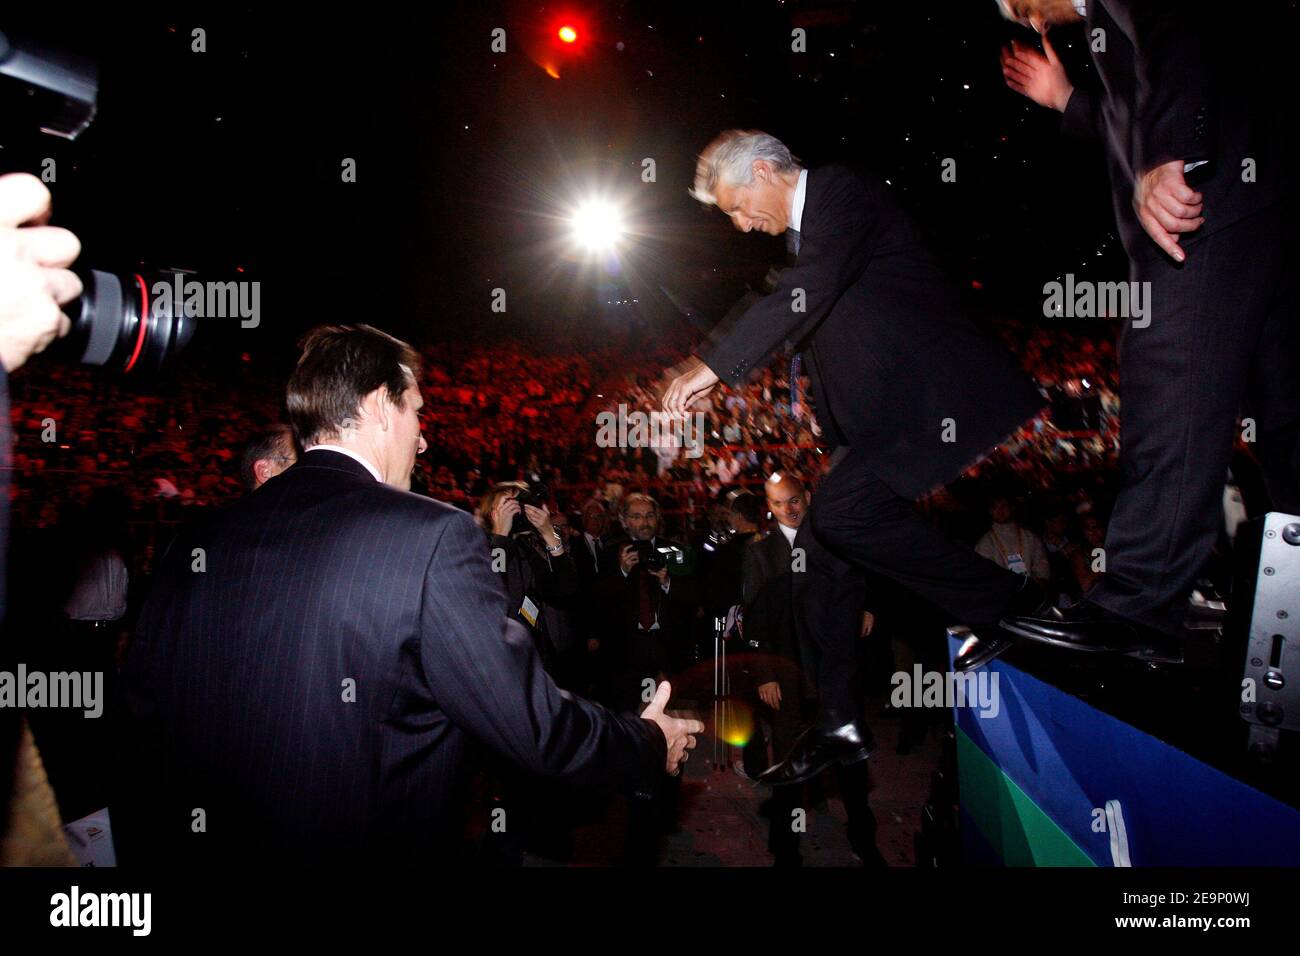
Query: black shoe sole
[
  {"x": 1153, "y": 655},
  {"x": 859, "y": 755},
  {"x": 1038, "y": 637},
  {"x": 992, "y": 651},
  {"x": 1142, "y": 652}
]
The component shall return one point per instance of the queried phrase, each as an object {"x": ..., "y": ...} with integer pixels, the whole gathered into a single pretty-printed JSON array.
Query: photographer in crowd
[
  {"x": 591, "y": 556},
  {"x": 652, "y": 598},
  {"x": 534, "y": 564}
]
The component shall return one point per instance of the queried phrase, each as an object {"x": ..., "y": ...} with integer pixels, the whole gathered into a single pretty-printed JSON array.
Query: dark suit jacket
[
  {"x": 724, "y": 578},
  {"x": 769, "y": 611},
  {"x": 589, "y": 568},
  {"x": 889, "y": 346},
  {"x": 316, "y": 689},
  {"x": 1179, "y": 84},
  {"x": 622, "y": 598},
  {"x": 551, "y": 582}
]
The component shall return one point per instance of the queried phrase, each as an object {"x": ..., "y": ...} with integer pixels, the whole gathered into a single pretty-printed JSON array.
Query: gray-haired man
[{"x": 906, "y": 385}]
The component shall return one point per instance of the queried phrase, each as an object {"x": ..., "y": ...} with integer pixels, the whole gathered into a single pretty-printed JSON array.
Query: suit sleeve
[
  {"x": 831, "y": 259},
  {"x": 557, "y": 579},
  {"x": 484, "y": 672},
  {"x": 751, "y": 573},
  {"x": 1081, "y": 119},
  {"x": 758, "y": 615},
  {"x": 1173, "y": 107}
]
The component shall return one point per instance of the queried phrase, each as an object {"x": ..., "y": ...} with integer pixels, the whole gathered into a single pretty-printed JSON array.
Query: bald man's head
[{"x": 787, "y": 498}]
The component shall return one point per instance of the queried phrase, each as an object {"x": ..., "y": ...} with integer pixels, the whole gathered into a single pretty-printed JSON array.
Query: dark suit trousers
[
  {"x": 853, "y": 780},
  {"x": 1223, "y": 340},
  {"x": 857, "y": 522}
]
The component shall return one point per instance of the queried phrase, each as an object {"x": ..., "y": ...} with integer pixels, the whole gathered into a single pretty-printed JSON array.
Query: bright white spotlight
[{"x": 596, "y": 225}]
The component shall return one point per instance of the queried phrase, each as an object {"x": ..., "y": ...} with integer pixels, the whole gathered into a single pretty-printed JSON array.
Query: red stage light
[{"x": 567, "y": 34}]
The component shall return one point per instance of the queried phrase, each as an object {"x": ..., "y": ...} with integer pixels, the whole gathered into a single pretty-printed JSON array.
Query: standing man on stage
[
  {"x": 1194, "y": 123},
  {"x": 907, "y": 387}
]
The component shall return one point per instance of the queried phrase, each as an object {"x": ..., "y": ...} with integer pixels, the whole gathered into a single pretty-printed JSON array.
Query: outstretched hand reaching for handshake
[
  {"x": 688, "y": 383},
  {"x": 34, "y": 277},
  {"x": 679, "y": 733}
]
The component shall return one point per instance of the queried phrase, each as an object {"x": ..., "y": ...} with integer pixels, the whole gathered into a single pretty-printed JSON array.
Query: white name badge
[
  {"x": 1017, "y": 564},
  {"x": 529, "y": 610}
]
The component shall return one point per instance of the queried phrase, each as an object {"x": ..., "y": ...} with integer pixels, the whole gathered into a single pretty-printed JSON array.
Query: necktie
[
  {"x": 796, "y": 366},
  {"x": 792, "y": 242}
]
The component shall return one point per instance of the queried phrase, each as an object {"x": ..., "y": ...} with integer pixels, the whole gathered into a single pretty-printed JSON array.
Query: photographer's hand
[
  {"x": 661, "y": 575},
  {"x": 503, "y": 515},
  {"x": 34, "y": 276},
  {"x": 540, "y": 518},
  {"x": 628, "y": 558}
]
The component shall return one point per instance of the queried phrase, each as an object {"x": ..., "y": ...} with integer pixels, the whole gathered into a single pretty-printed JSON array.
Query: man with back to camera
[
  {"x": 312, "y": 666},
  {"x": 269, "y": 454}
]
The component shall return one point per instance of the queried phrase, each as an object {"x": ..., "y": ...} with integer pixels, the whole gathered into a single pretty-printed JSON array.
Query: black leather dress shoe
[
  {"x": 981, "y": 648},
  {"x": 977, "y": 651},
  {"x": 817, "y": 749},
  {"x": 1090, "y": 628}
]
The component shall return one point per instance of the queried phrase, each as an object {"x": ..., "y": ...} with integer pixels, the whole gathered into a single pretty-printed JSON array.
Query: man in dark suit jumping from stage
[
  {"x": 906, "y": 386},
  {"x": 312, "y": 665}
]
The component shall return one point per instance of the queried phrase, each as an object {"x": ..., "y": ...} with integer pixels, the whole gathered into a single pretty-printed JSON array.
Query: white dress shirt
[
  {"x": 788, "y": 532},
  {"x": 796, "y": 208}
]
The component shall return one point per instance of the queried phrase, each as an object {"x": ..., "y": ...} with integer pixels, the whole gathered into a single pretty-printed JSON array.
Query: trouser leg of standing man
[
  {"x": 856, "y": 522},
  {"x": 1273, "y": 385},
  {"x": 1220, "y": 337}
]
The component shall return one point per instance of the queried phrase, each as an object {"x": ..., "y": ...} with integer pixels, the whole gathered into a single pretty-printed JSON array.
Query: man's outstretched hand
[
  {"x": 679, "y": 733},
  {"x": 1040, "y": 77},
  {"x": 1167, "y": 206},
  {"x": 689, "y": 383}
]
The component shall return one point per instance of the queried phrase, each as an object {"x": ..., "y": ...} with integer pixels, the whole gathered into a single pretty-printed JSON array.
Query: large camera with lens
[
  {"x": 118, "y": 322},
  {"x": 657, "y": 558}
]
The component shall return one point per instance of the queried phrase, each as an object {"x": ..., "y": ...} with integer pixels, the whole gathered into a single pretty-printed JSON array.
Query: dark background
[{"x": 468, "y": 160}]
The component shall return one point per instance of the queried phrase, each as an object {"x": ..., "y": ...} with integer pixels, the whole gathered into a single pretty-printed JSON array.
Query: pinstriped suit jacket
[{"x": 315, "y": 687}]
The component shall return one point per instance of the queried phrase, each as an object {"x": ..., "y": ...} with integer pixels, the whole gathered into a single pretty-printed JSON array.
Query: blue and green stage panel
[{"x": 1049, "y": 780}]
